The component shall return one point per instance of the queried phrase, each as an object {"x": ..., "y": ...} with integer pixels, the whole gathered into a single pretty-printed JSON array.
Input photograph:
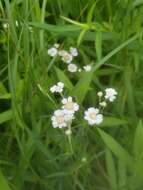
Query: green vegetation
[{"x": 33, "y": 154}]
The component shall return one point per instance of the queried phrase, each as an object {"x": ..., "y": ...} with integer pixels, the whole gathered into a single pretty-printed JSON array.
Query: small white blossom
[
  {"x": 79, "y": 70},
  {"x": 72, "y": 68},
  {"x": 100, "y": 94},
  {"x": 93, "y": 116},
  {"x": 68, "y": 132},
  {"x": 69, "y": 106},
  {"x": 56, "y": 45},
  {"x": 52, "y": 51},
  {"x": 110, "y": 94},
  {"x": 103, "y": 104},
  {"x": 73, "y": 51},
  {"x": 62, "y": 52},
  {"x": 57, "y": 88},
  {"x": 60, "y": 119},
  {"x": 67, "y": 57},
  {"x": 87, "y": 68}
]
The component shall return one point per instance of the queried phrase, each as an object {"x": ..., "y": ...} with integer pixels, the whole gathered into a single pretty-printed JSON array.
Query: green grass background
[{"x": 35, "y": 156}]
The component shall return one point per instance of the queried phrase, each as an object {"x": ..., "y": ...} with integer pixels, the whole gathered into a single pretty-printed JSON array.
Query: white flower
[
  {"x": 100, "y": 94},
  {"x": 57, "y": 88},
  {"x": 79, "y": 70},
  {"x": 52, "y": 51},
  {"x": 73, "y": 51},
  {"x": 93, "y": 116},
  {"x": 62, "y": 52},
  {"x": 69, "y": 106},
  {"x": 72, "y": 68},
  {"x": 87, "y": 68},
  {"x": 110, "y": 94},
  {"x": 67, "y": 57},
  {"x": 103, "y": 104},
  {"x": 60, "y": 119}
]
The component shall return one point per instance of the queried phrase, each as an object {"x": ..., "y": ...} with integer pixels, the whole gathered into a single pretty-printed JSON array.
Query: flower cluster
[
  {"x": 63, "y": 117},
  {"x": 93, "y": 115},
  {"x": 58, "y": 88},
  {"x": 67, "y": 57}
]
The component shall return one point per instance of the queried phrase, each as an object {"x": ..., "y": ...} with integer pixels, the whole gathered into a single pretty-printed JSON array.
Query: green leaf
[
  {"x": 6, "y": 116},
  {"x": 122, "y": 175},
  {"x": 90, "y": 13},
  {"x": 98, "y": 45},
  {"x": 81, "y": 88},
  {"x": 112, "y": 121},
  {"x": 55, "y": 28},
  {"x": 63, "y": 78},
  {"x": 3, "y": 183},
  {"x": 111, "y": 170},
  {"x": 138, "y": 141},
  {"x": 116, "y": 148}
]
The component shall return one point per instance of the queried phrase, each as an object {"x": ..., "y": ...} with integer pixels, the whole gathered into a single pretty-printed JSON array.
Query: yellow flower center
[
  {"x": 92, "y": 115},
  {"x": 69, "y": 106},
  {"x": 66, "y": 57},
  {"x": 60, "y": 119}
]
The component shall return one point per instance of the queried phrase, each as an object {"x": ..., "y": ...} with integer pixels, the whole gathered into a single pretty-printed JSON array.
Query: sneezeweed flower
[
  {"x": 69, "y": 106},
  {"x": 73, "y": 51},
  {"x": 52, "y": 51},
  {"x": 72, "y": 68},
  {"x": 93, "y": 116},
  {"x": 100, "y": 94},
  {"x": 67, "y": 57},
  {"x": 62, "y": 53},
  {"x": 60, "y": 119},
  {"x": 57, "y": 88},
  {"x": 110, "y": 94},
  {"x": 87, "y": 68}
]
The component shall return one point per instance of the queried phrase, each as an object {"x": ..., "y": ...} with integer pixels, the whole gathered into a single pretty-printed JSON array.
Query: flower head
[
  {"x": 87, "y": 68},
  {"x": 100, "y": 94},
  {"x": 73, "y": 51},
  {"x": 69, "y": 106},
  {"x": 52, "y": 51},
  {"x": 72, "y": 68},
  {"x": 93, "y": 116},
  {"x": 110, "y": 94},
  {"x": 57, "y": 88},
  {"x": 60, "y": 119},
  {"x": 66, "y": 57}
]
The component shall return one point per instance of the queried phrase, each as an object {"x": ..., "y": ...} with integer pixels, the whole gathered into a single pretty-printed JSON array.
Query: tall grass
[{"x": 34, "y": 155}]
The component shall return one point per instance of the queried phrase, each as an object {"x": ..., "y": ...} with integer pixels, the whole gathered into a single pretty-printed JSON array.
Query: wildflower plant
[
  {"x": 71, "y": 95},
  {"x": 63, "y": 117}
]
